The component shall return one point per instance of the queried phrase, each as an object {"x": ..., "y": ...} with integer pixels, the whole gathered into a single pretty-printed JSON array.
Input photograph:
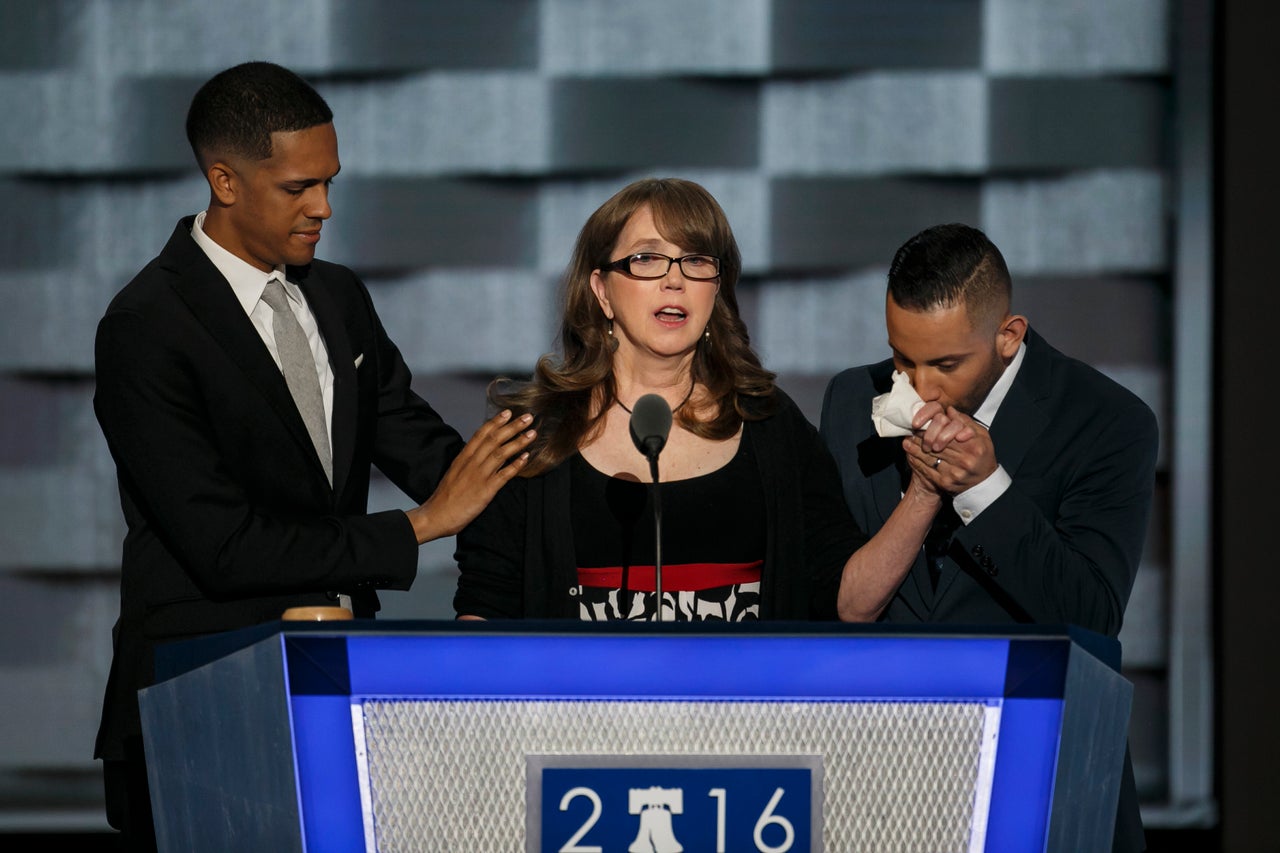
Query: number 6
[{"x": 768, "y": 817}]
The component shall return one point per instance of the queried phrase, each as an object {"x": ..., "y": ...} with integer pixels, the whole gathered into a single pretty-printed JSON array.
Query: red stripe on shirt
[{"x": 681, "y": 577}]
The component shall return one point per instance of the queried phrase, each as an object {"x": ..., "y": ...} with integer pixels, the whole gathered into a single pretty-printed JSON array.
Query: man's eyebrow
[
  {"x": 309, "y": 182},
  {"x": 898, "y": 354}
]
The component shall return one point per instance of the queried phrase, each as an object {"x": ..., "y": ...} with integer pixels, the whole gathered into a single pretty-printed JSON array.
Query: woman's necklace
[{"x": 692, "y": 385}]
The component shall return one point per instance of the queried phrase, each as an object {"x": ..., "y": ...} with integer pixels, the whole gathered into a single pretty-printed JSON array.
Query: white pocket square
[{"x": 359, "y": 359}]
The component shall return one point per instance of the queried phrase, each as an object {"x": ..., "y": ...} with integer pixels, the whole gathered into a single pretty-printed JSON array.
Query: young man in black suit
[
  {"x": 245, "y": 389},
  {"x": 1046, "y": 467}
]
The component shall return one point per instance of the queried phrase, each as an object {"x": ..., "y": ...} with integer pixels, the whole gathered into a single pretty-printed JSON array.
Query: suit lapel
[
  {"x": 1018, "y": 423},
  {"x": 1020, "y": 420},
  {"x": 341, "y": 361},
  {"x": 203, "y": 289}
]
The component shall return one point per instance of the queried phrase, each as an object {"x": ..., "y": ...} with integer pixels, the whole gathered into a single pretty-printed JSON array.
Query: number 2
[{"x": 571, "y": 846}]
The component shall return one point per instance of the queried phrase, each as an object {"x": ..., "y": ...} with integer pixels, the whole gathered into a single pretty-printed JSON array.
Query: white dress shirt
[
  {"x": 248, "y": 283},
  {"x": 972, "y": 501}
]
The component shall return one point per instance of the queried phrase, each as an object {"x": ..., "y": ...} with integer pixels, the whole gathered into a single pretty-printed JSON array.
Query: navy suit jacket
[
  {"x": 230, "y": 517},
  {"x": 1061, "y": 545}
]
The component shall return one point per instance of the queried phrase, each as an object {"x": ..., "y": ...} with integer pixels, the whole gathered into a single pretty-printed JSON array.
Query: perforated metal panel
[{"x": 450, "y": 775}]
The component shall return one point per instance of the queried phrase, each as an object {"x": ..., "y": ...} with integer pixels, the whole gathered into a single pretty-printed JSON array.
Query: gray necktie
[{"x": 299, "y": 368}]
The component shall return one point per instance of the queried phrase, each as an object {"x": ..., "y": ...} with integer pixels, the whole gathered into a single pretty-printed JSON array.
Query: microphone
[{"x": 650, "y": 426}]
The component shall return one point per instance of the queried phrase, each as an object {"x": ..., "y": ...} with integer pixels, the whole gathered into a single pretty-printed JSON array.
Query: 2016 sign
[{"x": 672, "y": 809}]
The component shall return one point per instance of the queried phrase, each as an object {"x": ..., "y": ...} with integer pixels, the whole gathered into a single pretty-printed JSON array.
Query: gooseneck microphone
[{"x": 650, "y": 426}]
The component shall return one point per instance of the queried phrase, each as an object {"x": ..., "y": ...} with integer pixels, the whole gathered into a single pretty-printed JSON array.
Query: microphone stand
[
  {"x": 657, "y": 533},
  {"x": 650, "y": 425}
]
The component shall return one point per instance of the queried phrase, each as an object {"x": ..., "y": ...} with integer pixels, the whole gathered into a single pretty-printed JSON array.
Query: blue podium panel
[{"x": 560, "y": 737}]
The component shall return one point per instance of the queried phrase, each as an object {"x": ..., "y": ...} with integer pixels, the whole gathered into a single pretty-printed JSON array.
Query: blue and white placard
[{"x": 670, "y": 803}]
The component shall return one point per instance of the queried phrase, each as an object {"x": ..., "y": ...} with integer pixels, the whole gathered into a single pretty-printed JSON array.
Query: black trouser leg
[{"x": 129, "y": 798}]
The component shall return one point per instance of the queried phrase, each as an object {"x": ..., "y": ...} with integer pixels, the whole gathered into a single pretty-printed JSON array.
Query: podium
[{"x": 389, "y": 736}]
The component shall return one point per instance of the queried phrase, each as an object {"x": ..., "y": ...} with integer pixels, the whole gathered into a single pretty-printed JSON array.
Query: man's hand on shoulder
[{"x": 489, "y": 460}]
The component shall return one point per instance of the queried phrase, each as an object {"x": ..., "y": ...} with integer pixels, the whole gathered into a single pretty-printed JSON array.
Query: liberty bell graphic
[{"x": 655, "y": 806}]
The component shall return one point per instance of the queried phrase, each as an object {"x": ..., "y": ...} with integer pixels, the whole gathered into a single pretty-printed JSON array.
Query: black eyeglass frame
[{"x": 623, "y": 265}]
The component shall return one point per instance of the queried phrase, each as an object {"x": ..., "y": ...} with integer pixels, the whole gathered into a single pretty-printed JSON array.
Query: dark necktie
[
  {"x": 938, "y": 540},
  {"x": 299, "y": 369}
]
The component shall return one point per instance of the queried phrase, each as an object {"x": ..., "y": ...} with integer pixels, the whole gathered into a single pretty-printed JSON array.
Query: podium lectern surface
[{"x": 485, "y": 736}]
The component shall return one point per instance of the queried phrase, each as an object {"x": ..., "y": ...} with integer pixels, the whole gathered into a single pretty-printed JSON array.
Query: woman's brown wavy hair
[{"x": 570, "y": 391}]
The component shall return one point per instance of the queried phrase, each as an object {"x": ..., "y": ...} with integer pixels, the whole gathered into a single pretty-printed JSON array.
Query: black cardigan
[{"x": 517, "y": 558}]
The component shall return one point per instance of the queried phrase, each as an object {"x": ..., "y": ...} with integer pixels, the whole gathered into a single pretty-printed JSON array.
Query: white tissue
[{"x": 892, "y": 412}]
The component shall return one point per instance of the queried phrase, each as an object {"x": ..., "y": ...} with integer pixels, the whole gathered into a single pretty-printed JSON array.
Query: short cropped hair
[
  {"x": 236, "y": 111},
  {"x": 948, "y": 265}
]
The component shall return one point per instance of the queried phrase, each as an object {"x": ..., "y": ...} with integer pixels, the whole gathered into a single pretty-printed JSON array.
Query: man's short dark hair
[
  {"x": 236, "y": 111},
  {"x": 947, "y": 265}
]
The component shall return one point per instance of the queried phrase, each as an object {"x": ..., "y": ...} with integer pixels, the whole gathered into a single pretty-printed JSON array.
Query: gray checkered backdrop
[{"x": 476, "y": 136}]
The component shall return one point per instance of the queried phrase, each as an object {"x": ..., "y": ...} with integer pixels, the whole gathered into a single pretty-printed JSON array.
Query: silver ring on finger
[{"x": 937, "y": 460}]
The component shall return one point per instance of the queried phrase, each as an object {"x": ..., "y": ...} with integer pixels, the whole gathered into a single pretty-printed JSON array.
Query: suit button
[
  {"x": 990, "y": 565},
  {"x": 978, "y": 551}
]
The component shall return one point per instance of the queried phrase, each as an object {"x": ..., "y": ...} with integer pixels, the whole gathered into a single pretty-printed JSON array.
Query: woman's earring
[
  {"x": 613, "y": 342},
  {"x": 707, "y": 334}
]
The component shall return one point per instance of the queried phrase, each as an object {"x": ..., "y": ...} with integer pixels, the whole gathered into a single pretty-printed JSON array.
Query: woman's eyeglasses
[{"x": 653, "y": 265}]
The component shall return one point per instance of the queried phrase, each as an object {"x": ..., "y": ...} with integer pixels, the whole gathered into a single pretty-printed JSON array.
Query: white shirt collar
[
  {"x": 246, "y": 280},
  {"x": 986, "y": 413}
]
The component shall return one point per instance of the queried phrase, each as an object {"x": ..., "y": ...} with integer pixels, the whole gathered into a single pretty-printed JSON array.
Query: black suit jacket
[
  {"x": 230, "y": 517},
  {"x": 1061, "y": 545}
]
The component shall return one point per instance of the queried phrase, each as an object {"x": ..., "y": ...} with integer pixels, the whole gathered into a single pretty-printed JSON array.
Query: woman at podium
[{"x": 753, "y": 524}]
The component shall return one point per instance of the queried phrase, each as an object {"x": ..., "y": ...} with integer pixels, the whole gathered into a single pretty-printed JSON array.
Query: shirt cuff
[{"x": 970, "y": 503}]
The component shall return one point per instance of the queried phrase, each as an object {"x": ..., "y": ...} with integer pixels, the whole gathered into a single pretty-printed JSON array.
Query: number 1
[{"x": 719, "y": 794}]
